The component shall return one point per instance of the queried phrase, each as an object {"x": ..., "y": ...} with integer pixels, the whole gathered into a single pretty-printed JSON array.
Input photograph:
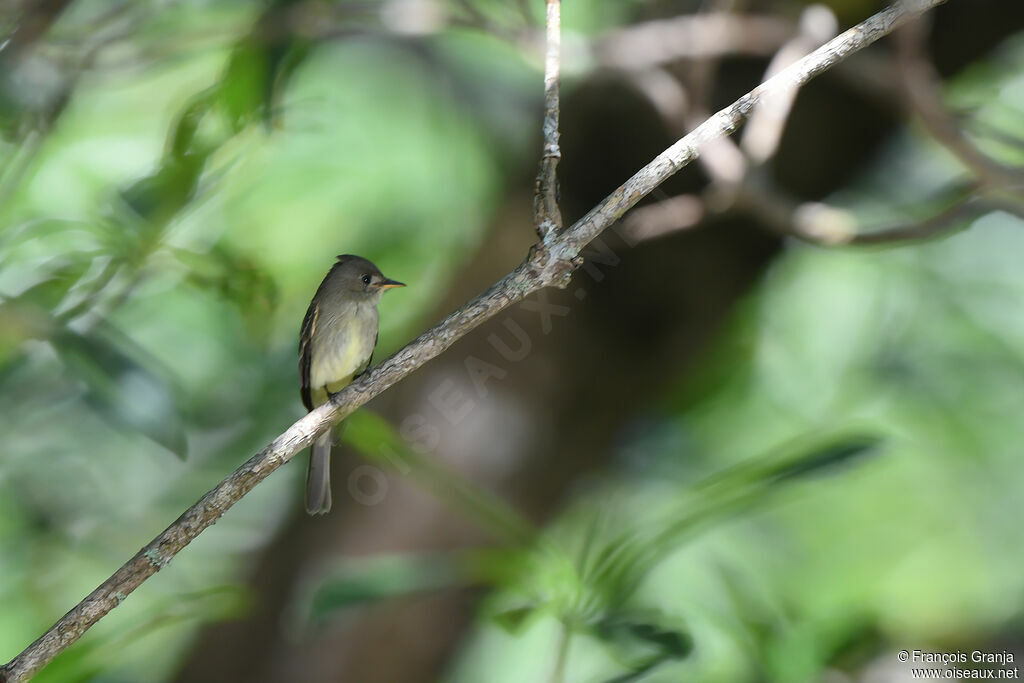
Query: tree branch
[
  {"x": 546, "y": 266},
  {"x": 546, "y": 215}
]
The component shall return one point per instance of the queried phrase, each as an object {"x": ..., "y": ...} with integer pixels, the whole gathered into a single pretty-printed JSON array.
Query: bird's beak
[{"x": 390, "y": 284}]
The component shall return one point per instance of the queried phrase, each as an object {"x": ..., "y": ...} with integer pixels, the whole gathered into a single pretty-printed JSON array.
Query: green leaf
[
  {"x": 183, "y": 135},
  {"x": 158, "y": 197},
  {"x": 613, "y": 569},
  {"x": 49, "y": 292},
  {"x": 379, "y": 578},
  {"x": 236, "y": 278},
  {"x": 261, "y": 66},
  {"x": 644, "y": 640}
]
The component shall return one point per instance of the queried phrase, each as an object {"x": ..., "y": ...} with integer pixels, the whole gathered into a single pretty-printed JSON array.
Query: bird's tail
[{"x": 318, "y": 477}]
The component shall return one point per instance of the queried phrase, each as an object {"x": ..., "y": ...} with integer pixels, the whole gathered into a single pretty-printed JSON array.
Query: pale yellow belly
[{"x": 335, "y": 365}]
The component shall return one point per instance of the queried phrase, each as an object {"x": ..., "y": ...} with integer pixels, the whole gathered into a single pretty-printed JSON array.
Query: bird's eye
[{"x": 366, "y": 279}]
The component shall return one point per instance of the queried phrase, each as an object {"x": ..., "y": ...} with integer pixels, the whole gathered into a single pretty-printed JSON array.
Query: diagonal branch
[
  {"x": 548, "y": 267},
  {"x": 546, "y": 215}
]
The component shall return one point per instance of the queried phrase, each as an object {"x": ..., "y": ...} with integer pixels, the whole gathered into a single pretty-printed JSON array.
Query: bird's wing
[{"x": 305, "y": 352}]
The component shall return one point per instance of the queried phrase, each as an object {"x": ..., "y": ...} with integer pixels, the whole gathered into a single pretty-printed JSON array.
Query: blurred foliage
[
  {"x": 175, "y": 178},
  {"x": 378, "y": 578},
  {"x": 377, "y": 440}
]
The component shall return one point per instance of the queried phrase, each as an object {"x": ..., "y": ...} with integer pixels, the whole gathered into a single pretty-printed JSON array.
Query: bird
[{"x": 339, "y": 333}]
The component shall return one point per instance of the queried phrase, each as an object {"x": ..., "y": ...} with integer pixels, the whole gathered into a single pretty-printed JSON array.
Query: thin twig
[
  {"x": 549, "y": 267},
  {"x": 728, "y": 120},
  {"x": 824, "y": 225},
  {"x": 950, "y": 220},
  {"x": 812, "y": 222},
  {"x": 546, "y": 215}
]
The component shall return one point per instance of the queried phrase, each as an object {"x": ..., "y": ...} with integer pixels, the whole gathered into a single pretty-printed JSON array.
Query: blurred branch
[
  {"x": 547, "y": 216},
  {"x": 730, "y": 164},
  {"x": 702, "y": 73},
  {"x": 812, "y": 222},
  {"x": 722, "y": 158},
  {"x": 727, "y": 120},
  {"x": 699, "y": 36},
  {"x": 667, "y": 95},
  {"x": 763, "y": 133},
  {"x": 825, "y": 225},
  {"x": 33, "y": 23},
  {"x": 989, "y": 130},
  {"x": 922, "y": 90},
  {"x": 662, "y": 218},
  {"x": 549, "y": 264},
  {"x": 737, "y": 182}
]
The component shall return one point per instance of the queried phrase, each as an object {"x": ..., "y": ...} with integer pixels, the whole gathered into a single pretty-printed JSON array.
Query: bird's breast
[{"x": 342, "y": 346}]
